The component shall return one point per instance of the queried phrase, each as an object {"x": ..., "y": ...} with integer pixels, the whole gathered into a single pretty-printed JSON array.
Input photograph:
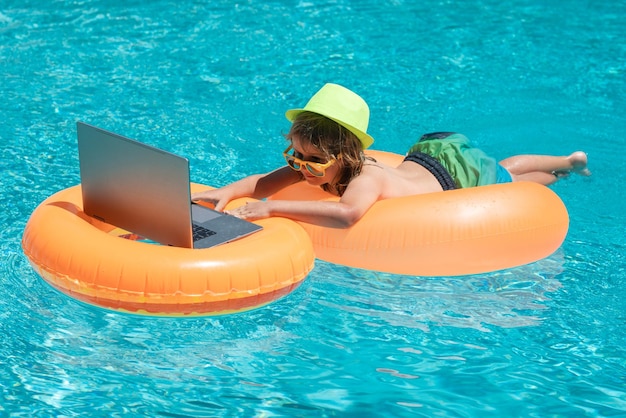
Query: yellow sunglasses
[{"x": 316, "y": 169}]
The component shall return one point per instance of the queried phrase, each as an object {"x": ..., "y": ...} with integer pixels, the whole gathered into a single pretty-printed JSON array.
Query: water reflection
[{"x": 509, "y": 298}]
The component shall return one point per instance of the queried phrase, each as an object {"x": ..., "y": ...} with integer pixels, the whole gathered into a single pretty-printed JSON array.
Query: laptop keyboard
[{"x": 200, "y": 232}]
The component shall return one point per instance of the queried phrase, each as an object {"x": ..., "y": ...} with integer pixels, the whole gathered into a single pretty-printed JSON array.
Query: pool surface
[{"x": 211, "y": 81}]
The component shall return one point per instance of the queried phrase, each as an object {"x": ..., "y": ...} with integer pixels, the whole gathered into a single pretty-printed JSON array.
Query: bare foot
[{"x": 578, "y": 162}]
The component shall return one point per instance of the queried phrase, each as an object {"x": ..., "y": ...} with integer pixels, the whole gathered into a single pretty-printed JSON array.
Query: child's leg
[{"x": 545, "y": 169}]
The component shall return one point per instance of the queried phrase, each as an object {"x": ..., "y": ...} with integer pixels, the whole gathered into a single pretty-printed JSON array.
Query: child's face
[{"x": 307, "y": 152}]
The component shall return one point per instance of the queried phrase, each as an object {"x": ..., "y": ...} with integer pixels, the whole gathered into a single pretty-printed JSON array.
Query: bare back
[{"x": 407, "y": 179}]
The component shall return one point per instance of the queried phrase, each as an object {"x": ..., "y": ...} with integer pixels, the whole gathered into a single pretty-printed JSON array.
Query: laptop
[{"x": 145, "y": 190}]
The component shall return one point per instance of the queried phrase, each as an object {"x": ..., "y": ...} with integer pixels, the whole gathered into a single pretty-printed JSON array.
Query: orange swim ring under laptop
[{"x": 86, "y": 259}]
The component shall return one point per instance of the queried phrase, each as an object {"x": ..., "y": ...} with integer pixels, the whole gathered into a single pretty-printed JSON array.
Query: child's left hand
[{"x": 251, "y": 211}]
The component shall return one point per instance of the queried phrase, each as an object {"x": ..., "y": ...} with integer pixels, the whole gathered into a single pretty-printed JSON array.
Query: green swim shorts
[{"x": 467, "y": 165}]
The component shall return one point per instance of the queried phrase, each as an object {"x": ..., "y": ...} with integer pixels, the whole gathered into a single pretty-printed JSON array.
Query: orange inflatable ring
[
  {"x": 457, "y": 232},
  {"x": 86, "y": 259}
]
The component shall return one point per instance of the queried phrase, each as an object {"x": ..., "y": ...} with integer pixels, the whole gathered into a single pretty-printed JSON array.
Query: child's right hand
[{"x": 218, "y": 197}]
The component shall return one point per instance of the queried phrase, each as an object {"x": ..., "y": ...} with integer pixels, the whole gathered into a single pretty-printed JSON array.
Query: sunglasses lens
[
  {"x": 314, "y": 170},
  {"x": 292, "y": 163}
]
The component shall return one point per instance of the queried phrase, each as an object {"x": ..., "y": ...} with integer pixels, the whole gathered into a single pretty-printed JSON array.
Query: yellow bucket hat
[{"x": 341, "y": 105}]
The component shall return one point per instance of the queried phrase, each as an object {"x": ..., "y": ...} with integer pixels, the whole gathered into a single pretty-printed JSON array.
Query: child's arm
[
  {"x": 324, "y": 213},
  {"x": 256, "y": 186},
  {"x": 360, "y": 195}
]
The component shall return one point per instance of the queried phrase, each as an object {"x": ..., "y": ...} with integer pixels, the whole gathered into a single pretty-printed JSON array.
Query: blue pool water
[{"x": 211, "y": 81}]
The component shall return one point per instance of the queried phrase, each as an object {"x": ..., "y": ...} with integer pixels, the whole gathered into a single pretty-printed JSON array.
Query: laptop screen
[{"x": 134, "y": 186}]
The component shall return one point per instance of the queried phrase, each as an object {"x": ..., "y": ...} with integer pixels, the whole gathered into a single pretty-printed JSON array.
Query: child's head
[
  {"x": 334, "y": 142},
  {"x": 341, "y": 105},
  {"x": 335, "y": 122},
  {"x": 326, "y": 135}
]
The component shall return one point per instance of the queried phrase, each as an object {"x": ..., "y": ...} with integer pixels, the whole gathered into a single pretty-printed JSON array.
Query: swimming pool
[{"x": 211, "y": 82}]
